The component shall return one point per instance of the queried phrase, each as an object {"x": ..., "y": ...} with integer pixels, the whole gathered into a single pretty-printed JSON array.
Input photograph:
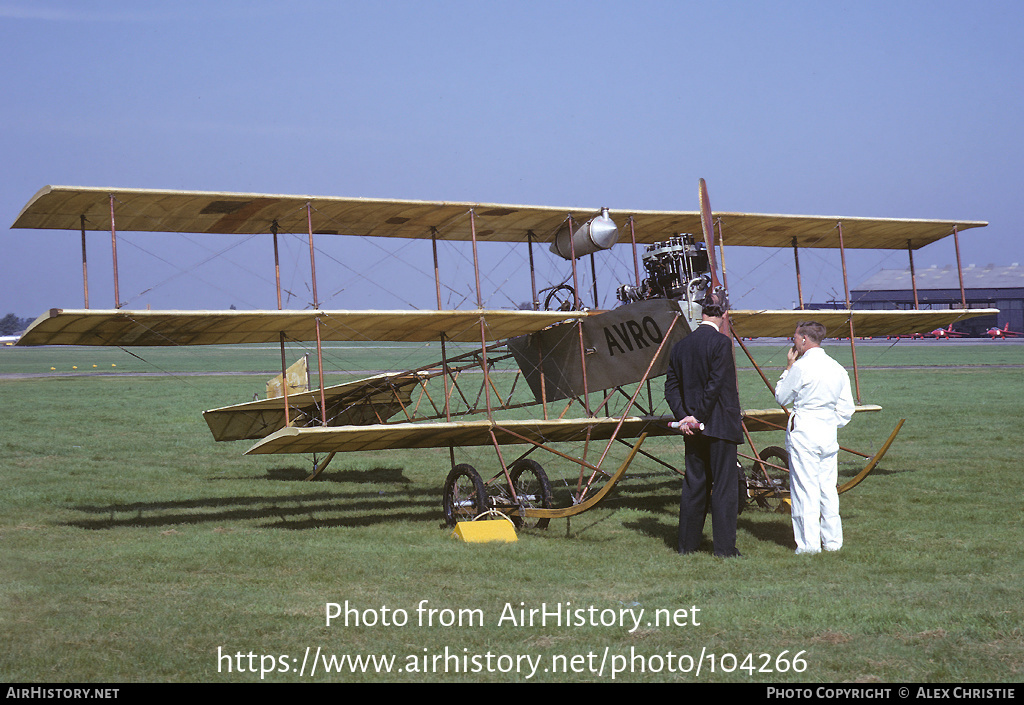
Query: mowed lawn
[{"x": 133, "y": 548}]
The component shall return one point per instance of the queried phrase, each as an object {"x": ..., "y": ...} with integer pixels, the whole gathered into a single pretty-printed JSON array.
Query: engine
[{"x": 676, "y": 269}]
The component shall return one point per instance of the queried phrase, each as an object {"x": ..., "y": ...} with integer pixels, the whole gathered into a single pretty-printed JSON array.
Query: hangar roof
[{"x": 975, "y": 277}]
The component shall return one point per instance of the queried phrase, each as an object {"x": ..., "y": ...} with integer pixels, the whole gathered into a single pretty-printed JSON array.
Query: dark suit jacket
[{"x": 701, "y": 382}]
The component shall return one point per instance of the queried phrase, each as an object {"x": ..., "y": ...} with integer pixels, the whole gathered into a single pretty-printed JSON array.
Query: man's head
[
  {"x": 715, "y": 303},
  {"x": 809, "y": 334}
]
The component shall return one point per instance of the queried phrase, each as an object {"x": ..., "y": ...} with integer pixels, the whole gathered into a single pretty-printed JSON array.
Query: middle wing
[
  {"x": 126, "y": 328},
  {"x": 866, "y": 323}
]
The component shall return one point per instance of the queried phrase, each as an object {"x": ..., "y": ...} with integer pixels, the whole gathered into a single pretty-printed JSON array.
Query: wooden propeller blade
[{"x": 708, "y": 227}]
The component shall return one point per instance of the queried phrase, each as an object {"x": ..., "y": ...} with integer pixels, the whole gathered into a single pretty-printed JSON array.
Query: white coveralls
[{"x": 818, "y": 388}]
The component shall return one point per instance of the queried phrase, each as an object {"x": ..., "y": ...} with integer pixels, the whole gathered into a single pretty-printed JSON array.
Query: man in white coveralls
[{"x": 818, "y": 388}]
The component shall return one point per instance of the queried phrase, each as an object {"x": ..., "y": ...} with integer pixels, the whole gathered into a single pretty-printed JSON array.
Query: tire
[
  {"x": 465, "y": 496},
  {"x": 769, "y": 493},
  {"x": 532, "y": 489}
]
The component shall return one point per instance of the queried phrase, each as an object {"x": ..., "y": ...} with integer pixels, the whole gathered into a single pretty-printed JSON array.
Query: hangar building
[{"x": 983, "y": 287}]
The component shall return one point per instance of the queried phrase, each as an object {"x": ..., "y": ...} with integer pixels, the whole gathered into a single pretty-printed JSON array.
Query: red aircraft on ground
[
  {"x": 946, "y": 333},
  {"x": 1003, "y": 332}
]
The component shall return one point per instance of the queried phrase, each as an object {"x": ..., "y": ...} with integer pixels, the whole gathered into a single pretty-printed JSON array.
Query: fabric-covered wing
[
  {"x": 147, "y": 328},
  {"x": 866, "y": 323},
  {"x": 371, "y": 400},
  {"x": 775, "y": 419},
  {"x": 148, "y": 210},
  {"x": 764, "y": 230},
  {"x": 327, "y": 439}
]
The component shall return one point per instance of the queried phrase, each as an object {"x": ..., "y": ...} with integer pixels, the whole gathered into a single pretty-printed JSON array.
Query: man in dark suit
[{"x": 701, "y": 389}]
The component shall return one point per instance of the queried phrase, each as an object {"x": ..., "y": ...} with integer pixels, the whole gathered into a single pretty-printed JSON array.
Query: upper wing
[
  {"x": 121, "y": 327},
  {"x": 148, "y": 210},
  {"x": 866, "y": 323}
]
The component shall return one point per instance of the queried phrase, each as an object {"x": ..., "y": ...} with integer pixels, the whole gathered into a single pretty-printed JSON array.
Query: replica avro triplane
[{"x": 586, "y": 372}]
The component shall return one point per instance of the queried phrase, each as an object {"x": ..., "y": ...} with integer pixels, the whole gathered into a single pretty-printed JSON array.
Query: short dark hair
[
  {"x": 715, "y": 303},
  {"x": 812, "y": 329}
]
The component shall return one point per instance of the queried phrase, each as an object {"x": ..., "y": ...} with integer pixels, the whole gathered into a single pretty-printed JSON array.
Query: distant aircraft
[
  {"x": 1003, "y": 332},
  {"x": 946, "y": 333}
]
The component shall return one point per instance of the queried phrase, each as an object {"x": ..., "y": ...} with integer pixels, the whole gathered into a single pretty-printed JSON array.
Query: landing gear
[
  {"x": 769, "y": 480},
  {"x": 533, "y": 490},
  {"x": 465, "y": 496}
]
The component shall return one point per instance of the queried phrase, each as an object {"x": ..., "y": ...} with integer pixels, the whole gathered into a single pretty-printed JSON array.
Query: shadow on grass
[
  {"x": 780, "y": 532},
  {"x": 388, "y": 475},
  {"x": 384, "y": 495},
  {"x": 338, "y": 503},
  {"x": 845, "y": 473}
]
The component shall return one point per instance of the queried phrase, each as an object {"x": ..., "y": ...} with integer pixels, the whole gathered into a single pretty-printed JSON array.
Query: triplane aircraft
[{"x": 587, "y": 373}]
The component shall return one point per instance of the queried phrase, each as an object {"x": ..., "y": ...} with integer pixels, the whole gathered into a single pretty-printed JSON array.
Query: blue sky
[{"x": 889, "y": 109}]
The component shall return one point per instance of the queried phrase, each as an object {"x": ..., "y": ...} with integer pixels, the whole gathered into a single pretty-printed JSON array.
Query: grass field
[{"x": 135, "y": 549}]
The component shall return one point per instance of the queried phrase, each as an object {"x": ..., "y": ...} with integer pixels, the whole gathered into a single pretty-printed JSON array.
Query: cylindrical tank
[{"x": 598, "y": 233}]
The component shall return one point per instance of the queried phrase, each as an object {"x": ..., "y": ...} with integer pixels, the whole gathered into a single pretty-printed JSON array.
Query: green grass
[{"x": 135, "y": 549}]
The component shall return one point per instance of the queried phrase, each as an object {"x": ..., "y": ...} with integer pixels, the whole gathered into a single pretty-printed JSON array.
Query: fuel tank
[{"x": 598, "y": 233}]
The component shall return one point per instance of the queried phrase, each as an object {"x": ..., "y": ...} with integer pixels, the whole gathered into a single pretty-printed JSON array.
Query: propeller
[{"x": 707, "y": 225}]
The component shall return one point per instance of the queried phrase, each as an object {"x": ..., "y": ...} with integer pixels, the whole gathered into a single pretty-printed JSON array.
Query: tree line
[{"x": 11, "y": 324}]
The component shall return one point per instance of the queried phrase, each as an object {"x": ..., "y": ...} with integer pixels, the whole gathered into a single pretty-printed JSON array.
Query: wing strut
[
  {"x": 595, "y": 468},
  {"x": 632, "y": 401},
  {"x": 575, "y": 509},
  {"x": 113, "y": 247},
  {"x": 846, "y": 287},
  {"x": 316, "y": 307},
  {"x": 799, "y": 286},
  {"x": 85, "y": 266}
]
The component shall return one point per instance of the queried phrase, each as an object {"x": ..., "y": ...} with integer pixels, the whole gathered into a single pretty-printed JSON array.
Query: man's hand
[
  {"x": 688, "y": 425},
  {"x": 791, "y": 356}
]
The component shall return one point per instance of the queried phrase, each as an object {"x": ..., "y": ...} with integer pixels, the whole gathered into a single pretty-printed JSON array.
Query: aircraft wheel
[
  {"x": 533, "y": 490},
  {"x": 465, "y": 496},
  {"x": 769, "y": 492}
]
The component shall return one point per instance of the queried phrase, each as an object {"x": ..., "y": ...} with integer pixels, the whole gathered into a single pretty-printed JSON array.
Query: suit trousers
[
  {"x": 711, "y": 480},
  {"x": 813, "y": 475}
]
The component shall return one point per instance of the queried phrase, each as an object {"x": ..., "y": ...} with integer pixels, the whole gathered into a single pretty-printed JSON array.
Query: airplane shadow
[
  {"x": 384, "y": 495},
  {"x": 341, "y": 502},
  {"x": 779, "y": 533}
]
